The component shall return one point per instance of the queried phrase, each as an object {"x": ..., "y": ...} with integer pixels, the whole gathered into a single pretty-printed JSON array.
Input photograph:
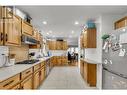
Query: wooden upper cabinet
[
  {"x": 89, "y": 38},
  {"x": 120, "y": 23},
  {"x": 38, "y": 36},
  {"x": 17, "y": 30},
  {"x": 59, "y": 45},
  {"x": 53, "y": 45},
  {"x": 27, "y": 28},
  {"x": 4, "y": 12},
  {"x": 34, "y": 33},
  {"x": 81, "y": 42},
  {"x": 0, "y": 12},
  {"x": 65, "y": 47},
  {"x": 1, "y": 32},
  {"x": 12, "y": 30}
]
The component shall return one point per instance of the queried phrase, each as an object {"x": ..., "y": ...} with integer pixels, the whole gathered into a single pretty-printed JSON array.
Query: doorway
[{"x": 72, "y": 56}]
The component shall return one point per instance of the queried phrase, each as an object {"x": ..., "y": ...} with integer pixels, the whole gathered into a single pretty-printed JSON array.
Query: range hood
[{"x": 29, "y": 40}]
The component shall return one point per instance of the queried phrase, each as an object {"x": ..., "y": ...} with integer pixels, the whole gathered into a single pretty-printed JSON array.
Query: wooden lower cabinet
[
  {"x": 27, "y": 83},
  {"x": 17, "y": 87},
  {"x": 31, "y": 78},
  {"x": 85, "y": 74},
  {"x": 10, "y": 83},
  {"x": 59, "y": 61},
  {"x": 42, "y": 75},
  {"x": 88, "y": 72},
  {"x": 91, "y": 74},
  {"x": 82, "y": 68},
  {"x": 36, "y": 80}
]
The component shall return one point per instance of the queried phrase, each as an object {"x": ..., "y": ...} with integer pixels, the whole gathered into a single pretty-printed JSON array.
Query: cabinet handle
[
  {"x": 6, "y": 37},
  {"x": 1, "y": 36},
  {"x": 8, "y": 83},
  {"x": 27, "y": 72}
]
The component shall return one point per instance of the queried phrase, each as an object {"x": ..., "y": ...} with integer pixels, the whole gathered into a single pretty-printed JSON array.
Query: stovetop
[{"x": 28, "y": 61}]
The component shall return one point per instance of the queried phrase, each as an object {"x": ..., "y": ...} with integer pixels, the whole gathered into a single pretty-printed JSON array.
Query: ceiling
[{"x": 60, "y": 19}]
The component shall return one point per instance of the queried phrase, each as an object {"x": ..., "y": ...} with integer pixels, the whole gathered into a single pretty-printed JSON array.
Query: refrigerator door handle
[{"x": 121, "y": 75}]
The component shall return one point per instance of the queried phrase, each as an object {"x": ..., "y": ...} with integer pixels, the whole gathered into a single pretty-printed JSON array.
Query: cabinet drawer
[
  {"x": 9, "y": 83},
  {"x": 26, "y": 73},
  {"x": 17, "y": 87},
  {"x": 36, "y": 67}
]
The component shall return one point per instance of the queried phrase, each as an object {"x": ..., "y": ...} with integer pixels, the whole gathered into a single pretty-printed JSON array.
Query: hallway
[{"x": 64, "y": 78}]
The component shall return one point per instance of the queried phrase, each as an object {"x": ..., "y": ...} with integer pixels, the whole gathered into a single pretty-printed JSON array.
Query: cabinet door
[
  {"x": 1, "y": 32},
  {"x": 1, "y": 12},
  {"x": 92, "y": 74},
  {"x": 53, "y": 45},
  {"x": 54, "y": 61},
  {"x": 64, "y": 45},
  {"x": 35, "y": 34},
  {"x": 85, "y": 71},
  {"x": 58, "y": 60},
  {"x": 82, "y": 68},
  {"x": 36, "y": 80},
  {"x": 42, "y": 75},
  {"x": 85, "y": 39},
  {"x": 13, "y": 31},
  {"x": 27, "y": 29},
  {"x": 27, "y": 83},
  {"x": 58, "y": 44},
  {"x": 38, "y": 35},
  {"x": 17, "y": 30},
  {"x": 91, "y": 38},
  {"x": 49, "y": 45}
]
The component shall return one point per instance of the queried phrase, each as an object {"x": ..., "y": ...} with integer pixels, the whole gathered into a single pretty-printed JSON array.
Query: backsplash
[
  {"x": 4, "y": 50},
  {"x": 21, "y": 52}
]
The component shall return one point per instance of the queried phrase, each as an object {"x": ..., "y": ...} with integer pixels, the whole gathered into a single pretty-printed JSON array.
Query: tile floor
[{"x": 64, "y": 78}]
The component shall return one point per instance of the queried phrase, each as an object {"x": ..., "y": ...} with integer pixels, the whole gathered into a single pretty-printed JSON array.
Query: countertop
[
  {"x": 90, "y": 61},
  {"x": 7, "y": 72}
]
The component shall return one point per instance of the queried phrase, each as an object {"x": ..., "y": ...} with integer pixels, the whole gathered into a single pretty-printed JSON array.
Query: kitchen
[{"x": 34, "y": 47}]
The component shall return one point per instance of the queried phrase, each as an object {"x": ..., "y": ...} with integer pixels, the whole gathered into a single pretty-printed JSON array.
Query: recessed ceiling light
[
  {"x": 72, "y": 32},
  {"x": 50, "y": 31},
  {"x": 44, "y": 22},
  {"x": 76, "y": 22}
]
